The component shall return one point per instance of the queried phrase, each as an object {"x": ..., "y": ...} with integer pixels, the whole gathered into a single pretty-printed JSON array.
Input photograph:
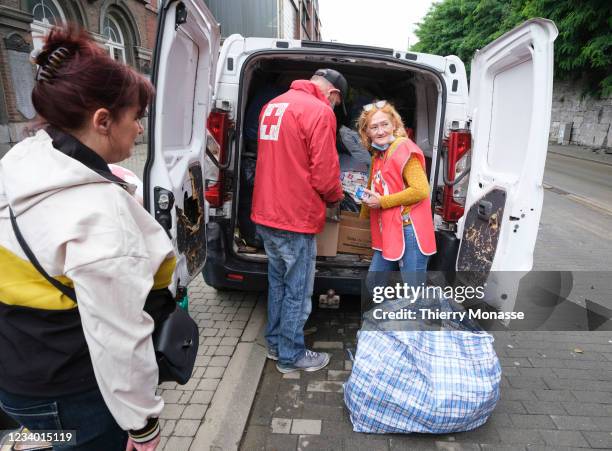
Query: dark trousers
[{"x": 86, "y": 413}]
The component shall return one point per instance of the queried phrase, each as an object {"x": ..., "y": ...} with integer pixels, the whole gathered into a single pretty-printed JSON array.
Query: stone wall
[{"x": 585, "y": 121}]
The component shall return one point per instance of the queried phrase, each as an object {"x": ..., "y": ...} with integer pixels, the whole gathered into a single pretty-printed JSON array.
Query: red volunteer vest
[{"x": 386, "y": 225}]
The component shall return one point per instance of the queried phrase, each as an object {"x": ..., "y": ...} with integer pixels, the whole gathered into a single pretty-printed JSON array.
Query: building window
[
  {"x": 47, "y": 14},
  {"x": 115, "y": 43}
]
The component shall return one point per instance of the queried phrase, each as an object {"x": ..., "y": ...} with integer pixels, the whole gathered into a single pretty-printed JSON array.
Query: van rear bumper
[{"x": 225, "y": 271}]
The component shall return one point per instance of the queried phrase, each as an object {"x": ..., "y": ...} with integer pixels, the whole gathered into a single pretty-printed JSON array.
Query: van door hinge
[{"x": 181, "y": 15}]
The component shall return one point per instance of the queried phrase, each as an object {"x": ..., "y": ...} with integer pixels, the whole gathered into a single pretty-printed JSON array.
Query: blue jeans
[
  {"x": 412, "y": 265},
  {"x": 86, "y": 413},
  {"x": 291, "y": 269}
]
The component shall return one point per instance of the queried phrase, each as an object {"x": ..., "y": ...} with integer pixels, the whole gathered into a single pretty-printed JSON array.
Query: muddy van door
[
  {"x": 510, "y": 101},
  {"x": 184, "y": 66}
]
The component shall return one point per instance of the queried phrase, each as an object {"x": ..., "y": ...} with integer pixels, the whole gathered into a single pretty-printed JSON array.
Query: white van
[{"x": 486, "y": 148}]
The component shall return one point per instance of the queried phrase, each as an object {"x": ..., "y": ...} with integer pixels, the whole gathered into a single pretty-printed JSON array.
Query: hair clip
[{"x": 47, "y": 71}]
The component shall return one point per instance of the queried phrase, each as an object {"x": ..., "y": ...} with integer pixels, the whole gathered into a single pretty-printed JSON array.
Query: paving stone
[
  {"x": 510, "y": 407},
  {"x": 532, "y": 421},
  {"x": 348, "y": 365},
  {"x": 212, "y": 341},
  {"x": 599, "y": 440},
  {"x": 229, "y": 341},
  {"x": 178, "y": 443},
  {"x": 232, "y": 333},
  {"x": 306, "y": 427},
  {"x": 554, "y": 395},
  {"x": 190, "y": 385},
  {"x": 168, "y": 427},
  {"x": 603, "y": 423},
  {"x": 600, "y": 397},
  {"x": 487, "y": 433},
  {"x": 214, "y": 372},
  {"x": 325, "y": 387},
  {"x": 544, "y": 407},
  {"x": 202, "y": 397},
  {"x": 162, "y": 443},
  {"x": 172, "y": 411},
  {"x": 328, "y": 345},
  {"x": 238, "y": 324},
  {"x": 498, "y": 447},
  {"x": 209, "y": 332},
  {"x": 334, "y": 375},
  {"x": 295, "y": 375},
  {"x": 224, "y": 350},
  {"x": 281, "y": 425},
  {"x": 202, "y": 359},
  {"x": 526, "y": 382},
  {"x": 186, "y": 428},
  {"x": 563, "y": 438},
  {"x": 171, "y": 396},
  {"x": 322, "y": 412},
  {"x": 211, "y": 351},
  {"x": 574, "y": 423},
  {"x": 519, "y": 436},
  {"x": 254, "y": 438},
  {"x": 357, "y": 443},
  {"x": 517, "y": 394},
  {"x": 587, "y": 409},
  {"x": 186, "y": 396},
  {"x": 222, "y": 361},
  {"x": 278, "y": 442},
  {"x": 318, "y": 443},
  {"x": 411, "y": 442},
  {"x": 208, "y": 384},
  {"x": 194, "y": 412}
]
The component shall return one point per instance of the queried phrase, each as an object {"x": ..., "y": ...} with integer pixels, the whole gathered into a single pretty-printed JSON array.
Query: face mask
[
  {"x": 384, "y": 146},
  {"x": 381, "y": 148}
]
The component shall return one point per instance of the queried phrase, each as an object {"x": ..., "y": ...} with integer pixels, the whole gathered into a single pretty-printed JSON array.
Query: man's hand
[{"x": 148, "y": 446}]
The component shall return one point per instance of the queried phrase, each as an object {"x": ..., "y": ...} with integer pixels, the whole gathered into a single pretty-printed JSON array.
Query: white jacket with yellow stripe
[{"x": 92, "y": 234}]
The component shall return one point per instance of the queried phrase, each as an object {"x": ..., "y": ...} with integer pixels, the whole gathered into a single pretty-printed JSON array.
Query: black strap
[{"x": 57, "y": 284}]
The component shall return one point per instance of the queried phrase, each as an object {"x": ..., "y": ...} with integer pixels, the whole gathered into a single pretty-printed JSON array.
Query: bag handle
[{"x": 67, "y": 291}]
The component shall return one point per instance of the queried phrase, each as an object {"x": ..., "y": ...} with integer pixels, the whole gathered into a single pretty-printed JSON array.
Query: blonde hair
[{"x": 366, "y": 116}]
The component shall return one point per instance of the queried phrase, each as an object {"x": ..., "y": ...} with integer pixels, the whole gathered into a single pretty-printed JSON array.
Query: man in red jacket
[{"x": 297, "y": 175}]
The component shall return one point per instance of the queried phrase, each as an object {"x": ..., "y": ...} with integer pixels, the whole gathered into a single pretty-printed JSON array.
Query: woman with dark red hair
[{"x": 91, "y": 368}]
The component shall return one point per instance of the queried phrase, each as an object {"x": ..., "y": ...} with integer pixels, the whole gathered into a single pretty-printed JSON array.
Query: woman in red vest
[{"x": 397, "y": 196}]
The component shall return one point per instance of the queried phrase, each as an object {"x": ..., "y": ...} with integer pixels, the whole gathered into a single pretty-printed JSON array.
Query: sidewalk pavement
[
  {"x": 228, "y": 358},
  {"x": 582, "y": 153},
  {"x": 556, "y": 395}
]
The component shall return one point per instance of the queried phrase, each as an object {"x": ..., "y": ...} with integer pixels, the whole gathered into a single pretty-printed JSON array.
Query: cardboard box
[
  {"x": 327, "y": 240},
  {"x": 354, "y": 235}
]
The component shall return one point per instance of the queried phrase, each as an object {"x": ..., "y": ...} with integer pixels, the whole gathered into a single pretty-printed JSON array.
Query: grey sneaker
[
  {"x": 311, "y": 361},
  {"x": 272, "y": 354}
]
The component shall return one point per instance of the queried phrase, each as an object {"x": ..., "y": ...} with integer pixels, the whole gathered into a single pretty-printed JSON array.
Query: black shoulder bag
[{"x": 175, "y": 337}]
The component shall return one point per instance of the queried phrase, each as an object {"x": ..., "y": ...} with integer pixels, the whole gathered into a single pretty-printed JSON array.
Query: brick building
[
  {"x": 285, "y": 19},
  {"x": 125, "y": 27}
]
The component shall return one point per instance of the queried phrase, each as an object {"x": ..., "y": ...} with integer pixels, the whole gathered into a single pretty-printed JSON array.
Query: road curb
[{"x": 227, "y": 417}]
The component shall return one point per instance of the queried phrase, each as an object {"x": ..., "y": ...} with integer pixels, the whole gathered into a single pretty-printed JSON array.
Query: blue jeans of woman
[
  {"x": 412, "y": 265},
  {"x": 86, "y": 413},
  {"x": 291, "y": 269}
]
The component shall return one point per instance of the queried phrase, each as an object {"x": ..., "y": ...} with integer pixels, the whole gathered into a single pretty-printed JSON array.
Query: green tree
[{"x": 582, "y": 50}]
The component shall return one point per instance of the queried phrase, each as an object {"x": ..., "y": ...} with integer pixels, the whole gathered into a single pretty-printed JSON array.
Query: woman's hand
[
  {"x": 148, "y": 446},
  {"x": 372, "y": 199}
]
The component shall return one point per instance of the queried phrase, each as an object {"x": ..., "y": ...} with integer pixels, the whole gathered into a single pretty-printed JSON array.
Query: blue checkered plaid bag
[{"x": 422, "y": 380}]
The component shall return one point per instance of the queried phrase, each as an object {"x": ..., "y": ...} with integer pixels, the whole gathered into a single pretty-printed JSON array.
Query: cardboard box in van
[
  {"x": 327, "y": 240},
  {"x": 354, "y": 235}
]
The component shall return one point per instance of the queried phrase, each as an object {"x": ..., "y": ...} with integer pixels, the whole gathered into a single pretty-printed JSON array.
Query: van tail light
[
  {"x": 456, "y": 167},
  {"x": 218, "y": 125}
]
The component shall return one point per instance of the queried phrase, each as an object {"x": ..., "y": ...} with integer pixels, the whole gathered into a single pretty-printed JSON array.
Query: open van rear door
[
  {"x": 184, "y": 67},
  {"x": 510, "y": 102}
]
